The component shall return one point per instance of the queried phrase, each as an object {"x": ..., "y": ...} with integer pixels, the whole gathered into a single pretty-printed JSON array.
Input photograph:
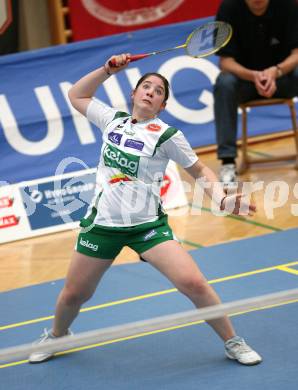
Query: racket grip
[
  {"x": 112, "y": 63},
  {"x": 136, "y": 57}
]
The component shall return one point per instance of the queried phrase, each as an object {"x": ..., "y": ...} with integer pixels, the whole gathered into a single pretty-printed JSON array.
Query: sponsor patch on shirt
[
  {"x": 119, "y": 178},
  {"x": 126, "y": 163},
  {"x": 153, "y": 127},
  {"x": 274, "y": 41},
  {"x": 115, "y": 137},
  {"x": 132, "y": 143}
]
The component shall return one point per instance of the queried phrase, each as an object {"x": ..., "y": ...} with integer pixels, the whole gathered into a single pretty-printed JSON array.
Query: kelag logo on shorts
[
  {"x": 125, "y": 162},
  {"x": 88, "y": 244}
]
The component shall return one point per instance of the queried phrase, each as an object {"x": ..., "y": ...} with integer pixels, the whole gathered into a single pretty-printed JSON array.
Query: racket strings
[{"x": 207, "y": 40}]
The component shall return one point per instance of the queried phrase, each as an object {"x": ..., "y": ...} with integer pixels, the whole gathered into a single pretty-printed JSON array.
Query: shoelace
[
  {"x": 227, "y": 170},
  {"x": 241, "y": 346},
  {"x": 44, "y": 336}
]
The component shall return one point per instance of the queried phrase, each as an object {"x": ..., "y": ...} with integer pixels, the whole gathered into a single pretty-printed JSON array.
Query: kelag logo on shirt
[{"x": 125, "y": 162}]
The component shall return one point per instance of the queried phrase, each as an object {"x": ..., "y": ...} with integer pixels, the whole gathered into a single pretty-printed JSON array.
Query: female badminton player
[{"x": 127, "y": 209}]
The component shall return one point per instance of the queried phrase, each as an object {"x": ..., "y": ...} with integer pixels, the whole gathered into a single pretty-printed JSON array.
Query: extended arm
[{"x": 232, "y": 202}]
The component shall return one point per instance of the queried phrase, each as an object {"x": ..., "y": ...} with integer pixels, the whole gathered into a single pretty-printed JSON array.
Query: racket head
[{"x": 208, "y": 39}]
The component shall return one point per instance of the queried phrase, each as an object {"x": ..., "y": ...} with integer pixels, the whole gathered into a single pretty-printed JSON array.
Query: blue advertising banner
[
  {"x": 39, "y": 128},
  {"x": 57, "y": 202}
]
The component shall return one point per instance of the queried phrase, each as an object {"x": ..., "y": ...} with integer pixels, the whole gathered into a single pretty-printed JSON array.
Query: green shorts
[{"x": 106, "y": 242}]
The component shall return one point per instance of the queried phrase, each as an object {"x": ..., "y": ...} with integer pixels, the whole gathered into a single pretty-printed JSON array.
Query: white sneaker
[
  {"x": 227, "y": 174},
  {"x": 40, "y": 357},
  {"x": 237, "y": 349}
]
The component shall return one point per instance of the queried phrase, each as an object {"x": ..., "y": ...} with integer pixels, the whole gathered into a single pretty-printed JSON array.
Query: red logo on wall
[
  {"x": 153, "y": 127},
  {"x": 126, "y": 16},
  {"x": 8, "y": 221},
  {"x": 5, "y": 202},
  {"x": 99, "y": 18}
]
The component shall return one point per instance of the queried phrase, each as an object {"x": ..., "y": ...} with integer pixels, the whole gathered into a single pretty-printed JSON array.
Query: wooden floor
[{"x": 46, "y": 258}]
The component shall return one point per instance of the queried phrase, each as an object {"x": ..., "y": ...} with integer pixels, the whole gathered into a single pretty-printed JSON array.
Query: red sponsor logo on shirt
[
  {"x": 9, "y": 220},
  {"x": 5, "y": 202},
  {"x": 119, "y": 178},
  {"x": 165, "y": 185},
  {"x": 153, "y": 127}
]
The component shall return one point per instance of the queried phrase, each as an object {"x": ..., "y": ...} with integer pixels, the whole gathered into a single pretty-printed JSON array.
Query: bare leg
[
  {"x": 82, "y": 279},
  {"x": 179, "y": 267}
]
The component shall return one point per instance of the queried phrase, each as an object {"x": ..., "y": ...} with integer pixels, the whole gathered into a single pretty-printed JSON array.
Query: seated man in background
[{"x": 260, "y": 61}]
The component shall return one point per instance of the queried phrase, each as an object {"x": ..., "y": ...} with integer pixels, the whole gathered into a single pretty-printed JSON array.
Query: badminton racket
[{"x": 202, "y": 42}]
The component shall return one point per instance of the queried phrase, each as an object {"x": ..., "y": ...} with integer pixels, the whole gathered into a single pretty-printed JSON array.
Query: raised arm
[{"x": 84, "y": 89}]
